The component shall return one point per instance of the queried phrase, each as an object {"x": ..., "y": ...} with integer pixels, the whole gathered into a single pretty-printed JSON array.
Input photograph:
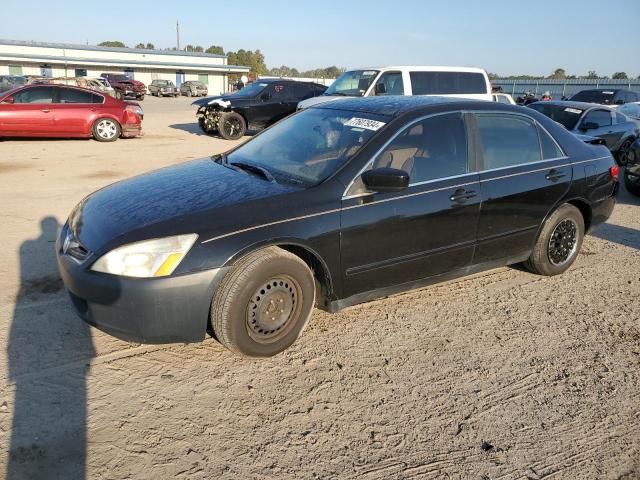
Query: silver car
[{"x": 194, "y": 88}]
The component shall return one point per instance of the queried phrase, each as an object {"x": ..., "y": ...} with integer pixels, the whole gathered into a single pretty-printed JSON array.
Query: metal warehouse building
[{"x": 62, "y": 60}]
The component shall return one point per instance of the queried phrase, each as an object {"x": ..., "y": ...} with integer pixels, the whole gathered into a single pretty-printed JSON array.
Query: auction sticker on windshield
[
  {"x": 365, "y": 123},
  {"x": 573, "y": 110}
]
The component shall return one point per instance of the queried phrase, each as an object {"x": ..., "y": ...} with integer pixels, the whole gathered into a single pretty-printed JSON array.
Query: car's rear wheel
[
  {"x": 632, "y": 183},
  {"x": 625, "y": 154},
  {"x": 140, "y": 97},
  {"x": 231, "y": 126},
  {"x": 559, "y": 242},
  {"x": 106, "y": 130},
  {"x": 189, "y": 94},
  {"x": 263, "y": 303}
]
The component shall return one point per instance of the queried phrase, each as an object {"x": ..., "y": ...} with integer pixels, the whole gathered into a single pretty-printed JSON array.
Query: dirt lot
[{"x": 501, "y": 376}]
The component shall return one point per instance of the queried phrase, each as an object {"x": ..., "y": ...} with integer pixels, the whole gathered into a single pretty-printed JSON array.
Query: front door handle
[
  {"x": 46, "y": 110},
  {"x": 461, "y": 195},
  {"x": 554, "y": 175}
]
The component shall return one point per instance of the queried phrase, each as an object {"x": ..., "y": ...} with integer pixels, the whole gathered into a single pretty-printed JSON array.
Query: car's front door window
[
  {"x": 602, "y": 118},
  {"x": 34, "y": 95},
  {"x": 431, "y": 149},
  {"x": 389, "y": 83}
]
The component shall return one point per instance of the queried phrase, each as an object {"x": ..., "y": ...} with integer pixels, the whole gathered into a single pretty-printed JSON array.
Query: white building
[{"x": 62, "y": 60}]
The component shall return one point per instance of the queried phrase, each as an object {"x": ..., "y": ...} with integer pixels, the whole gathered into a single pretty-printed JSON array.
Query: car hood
[
  {"x": 171, "y": 193},
  {"x": 220, "y": 98},
  {"x": 310, "y": 102}
]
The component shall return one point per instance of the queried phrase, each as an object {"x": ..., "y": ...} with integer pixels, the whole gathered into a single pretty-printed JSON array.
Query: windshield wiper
[{"x": 255, "y": 169}]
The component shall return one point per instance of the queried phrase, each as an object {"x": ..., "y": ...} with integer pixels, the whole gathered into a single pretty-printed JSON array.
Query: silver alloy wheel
[
  {"x": 273, "y": 308},
  {"x": 563, "y": 242},
  {"x": 106, "y": 129}
]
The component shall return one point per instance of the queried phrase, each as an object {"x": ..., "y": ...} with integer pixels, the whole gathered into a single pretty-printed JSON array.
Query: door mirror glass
[
  {"x": 589, "y": 126},
  {"x": 381, "y": 89},
  {"x": 385, "y": 180},
  {"x": 9, "y": 99}
]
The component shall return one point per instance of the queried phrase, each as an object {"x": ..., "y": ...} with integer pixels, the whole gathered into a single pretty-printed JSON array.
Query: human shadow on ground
[{"x": 49, "y": 351}]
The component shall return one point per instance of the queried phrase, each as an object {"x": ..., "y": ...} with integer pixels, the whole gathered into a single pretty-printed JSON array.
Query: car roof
[
  {"x": 601, "y": 90},
  {"x": 572, "y": 104},
  {"x": 395, "y": 106},
  {"x": 283, "y": 80},
  {"x": 424, "y": 68}
]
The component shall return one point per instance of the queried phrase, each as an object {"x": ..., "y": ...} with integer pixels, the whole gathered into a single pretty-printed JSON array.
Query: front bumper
[{"x": 171, "y": 309}]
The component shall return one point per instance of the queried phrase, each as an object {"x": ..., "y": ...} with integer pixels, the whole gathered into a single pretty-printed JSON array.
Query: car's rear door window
[
  {"x": 447, "y": 83},
  {"x": 507, "y": 140},
  {"x": 550, "y": 148},
  {"x": 34, "y": 95},
  {"x": 72, "y": 95}
]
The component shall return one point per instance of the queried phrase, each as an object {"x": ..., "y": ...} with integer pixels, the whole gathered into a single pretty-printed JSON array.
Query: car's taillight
[
  {"x": 614, "y": 171},
  {"x": 134, "y": 109}
]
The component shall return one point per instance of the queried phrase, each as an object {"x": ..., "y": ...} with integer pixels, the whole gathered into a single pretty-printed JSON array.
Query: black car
[
  {"x": 616, "y": 129},
  {"x": 632, "y": 170},
  {"x": 338, "y": 204},
  {"x": 606, "y": 96},
  {"x": 257, "y": 106}
]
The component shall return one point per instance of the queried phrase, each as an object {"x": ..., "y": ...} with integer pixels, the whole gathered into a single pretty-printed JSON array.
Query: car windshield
[
  {"x": 567, "y": 116},
  {"x": 119, "y": 78},
  {"x": 594, "y": 96},
  {"x": 308, "y": 147},
  {"x": 353, "y": 84},
  {"x": 252, "y": 89}
]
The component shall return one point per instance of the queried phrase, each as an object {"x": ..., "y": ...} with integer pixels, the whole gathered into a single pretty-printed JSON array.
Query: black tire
[
  {"x": 622, "y": 156},
  {"x": 254, "y": 289},
  {"x": 632, "y": 187},
  {"x": 141, "y": 97},
  {"x": 231, "y": 126},
  {"x": 559, "y": 242},
  {"x": 106, "y": 130}
]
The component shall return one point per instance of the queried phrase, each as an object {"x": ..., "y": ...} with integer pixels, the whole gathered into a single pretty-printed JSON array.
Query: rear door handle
[
  {"x": 46, "y": 110},
  {"x": 461, "y": 195},
  {"x": 554, "y": 175}
]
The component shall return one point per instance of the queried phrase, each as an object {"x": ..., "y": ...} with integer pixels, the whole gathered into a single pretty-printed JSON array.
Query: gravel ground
[{"x": 503, "y": 375}]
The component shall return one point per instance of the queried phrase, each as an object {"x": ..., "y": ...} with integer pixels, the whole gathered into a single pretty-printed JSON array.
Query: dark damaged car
[
  {"x": 335, "y": 205},
  {"x": 256, "y": 106}
]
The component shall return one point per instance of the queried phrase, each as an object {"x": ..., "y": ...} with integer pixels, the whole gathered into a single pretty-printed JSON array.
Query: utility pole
[{"x": 177, "y": 35}]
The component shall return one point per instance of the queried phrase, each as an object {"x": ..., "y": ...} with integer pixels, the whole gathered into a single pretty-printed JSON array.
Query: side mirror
[
  {"x": 589, "y": 126},
  {"x": 9, "y": 99},
  {"x": 381, "y": 89},
  {"x": 385, "y": 180},
  {"x": 265, "y": 96}
]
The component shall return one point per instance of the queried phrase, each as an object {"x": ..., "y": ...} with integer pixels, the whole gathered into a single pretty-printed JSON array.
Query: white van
[{"x": 465, "y": 82}]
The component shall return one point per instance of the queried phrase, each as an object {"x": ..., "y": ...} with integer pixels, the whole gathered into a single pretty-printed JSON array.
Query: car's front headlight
[{"x": 150, "y": 258}]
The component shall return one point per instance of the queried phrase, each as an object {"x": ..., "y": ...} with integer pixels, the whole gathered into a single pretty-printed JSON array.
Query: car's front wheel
[
  {"x": 106, "y": 130},
  {"x": 263, "y": 303},
  {"x": 231, "y": 126},
  {"x": 632, "y": 182},
  {"x": 625, "y": 153},
  {"x": 559, "y": 242}
]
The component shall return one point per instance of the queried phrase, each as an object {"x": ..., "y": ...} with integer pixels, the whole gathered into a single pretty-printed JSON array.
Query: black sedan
[
  {"x": 338, "y": 204},
  {"x": 256, "y": 106},
  {"x": 616, "y": 129}
]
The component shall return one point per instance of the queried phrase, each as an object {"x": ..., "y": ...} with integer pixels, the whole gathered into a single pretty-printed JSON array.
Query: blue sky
[{"x": 526, "y": 38}]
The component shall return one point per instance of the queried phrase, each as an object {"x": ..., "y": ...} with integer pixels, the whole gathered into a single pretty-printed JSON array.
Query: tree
[
  {"x": 112, "y": 43},
  {"x": 215, "y": 49},
  {"x": 620, "y": 76},
  {"x": 592, "y": 75},
  {"x": 558, "y": 74},
  {"x": 284, "y": 71},
  {"x": 192, "y": 48},
  {"x": 150, "y": 46},
  {"x": 248, "y": 58}
]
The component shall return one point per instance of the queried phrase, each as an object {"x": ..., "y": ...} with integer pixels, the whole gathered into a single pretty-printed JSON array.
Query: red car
[{"x": 63, "y": 111}]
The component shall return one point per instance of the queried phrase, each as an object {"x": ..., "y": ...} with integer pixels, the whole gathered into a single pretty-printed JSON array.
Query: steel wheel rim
[
  {"x": 563, "y": 242},
  {"x": 273, "y": 309},
  {"x": 232, "y": 126},
  {"x": 106, "y": 129}
]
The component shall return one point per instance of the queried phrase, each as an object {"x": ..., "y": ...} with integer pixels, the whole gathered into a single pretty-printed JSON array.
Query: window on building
[
  {"x": 204, "y": 78},
  {"x": 129, "y": 73},
  {"x": 15, "y": 69},
  {"x": 81, "y": 72},
  {"x": 45, "y": 71}
]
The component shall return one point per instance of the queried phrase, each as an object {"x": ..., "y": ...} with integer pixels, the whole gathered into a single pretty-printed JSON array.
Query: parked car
[
  {"x": 64, "y": 111},
  {"x": 193, "y": 88},
  {"x": 606, "y": 96},
  {"x": 163, "y": 88},
  {"x": 631, "y": 110},
  {"x": 92, "y": 83},
  {"x": 617, "y": 130},
  {"x": 257, "y": 106},
  {"x": 462, "y": 82},
  {"x": 8, "y": 82},
  {"x": 103, "y": 85},
  {"x": 632, "y": 170},
  {"x": 336, "y": 205},
  {"x": 125, "y": 86},
  {"x": 503, "y": 98}
]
